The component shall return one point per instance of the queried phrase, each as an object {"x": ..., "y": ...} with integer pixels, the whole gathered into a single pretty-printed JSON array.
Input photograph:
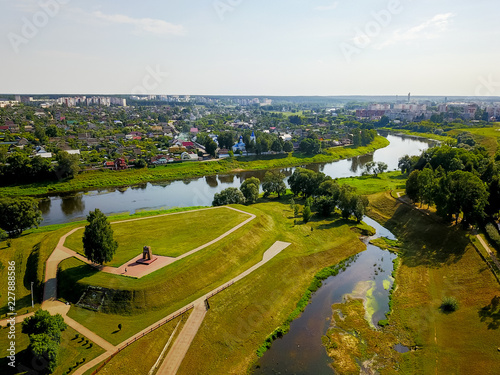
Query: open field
[
  {"x": 367, "y": 185},
  {"x": 140, "y": 356},
  {"x": 310, "y": 251},
  {"x": 171, "y": 235},
  {"x": 101, "y": 179},
  {"x": 439, "y": 261},
  {"x": 487, "y": 137}
]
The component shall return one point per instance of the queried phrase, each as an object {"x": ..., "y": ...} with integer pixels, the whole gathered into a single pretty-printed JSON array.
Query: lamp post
[{"x": 32, "y": 303}]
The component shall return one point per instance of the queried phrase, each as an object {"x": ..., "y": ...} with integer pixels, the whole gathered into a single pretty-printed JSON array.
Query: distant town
[{"x": 117, "y": 132}]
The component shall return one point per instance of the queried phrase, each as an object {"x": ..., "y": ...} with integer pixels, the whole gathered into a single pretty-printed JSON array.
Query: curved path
[
  {"x": 134, "y": 269},
  {"x": 181, "y": 345}
]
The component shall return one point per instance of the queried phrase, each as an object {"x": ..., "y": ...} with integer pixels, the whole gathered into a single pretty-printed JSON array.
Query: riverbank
[
  {"x": 93, "y": 180},
  {"x": 438, "y": 261}
]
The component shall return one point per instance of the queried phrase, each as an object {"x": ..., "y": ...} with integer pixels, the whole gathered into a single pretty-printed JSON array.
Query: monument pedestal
[{"x": 147, "y": 262}]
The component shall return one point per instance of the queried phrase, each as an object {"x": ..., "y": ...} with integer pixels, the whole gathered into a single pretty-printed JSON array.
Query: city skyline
[{"x": 230, "y": 47}]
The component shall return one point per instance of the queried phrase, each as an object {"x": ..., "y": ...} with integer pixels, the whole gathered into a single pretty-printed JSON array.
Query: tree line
[
  {"x": 321, "y": 193},
  {"x": 460, "y": 182}
]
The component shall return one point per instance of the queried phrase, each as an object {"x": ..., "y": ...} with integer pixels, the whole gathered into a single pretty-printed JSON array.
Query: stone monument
[
  {"x": 146, "y": 253},
  {"x": 147, "y": 256}
]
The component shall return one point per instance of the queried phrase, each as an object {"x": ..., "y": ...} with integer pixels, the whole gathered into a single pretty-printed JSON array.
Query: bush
[
  {"x": 383, "y": 322},
  {"x": 493, "y": 234},
  {"x": 449, "y": 305}
]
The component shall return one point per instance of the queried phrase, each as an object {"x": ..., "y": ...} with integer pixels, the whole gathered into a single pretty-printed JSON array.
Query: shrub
[
  {"x": 493, "y": 234},
  {"x": 383, "y": 322},
  {"x": 449, "y": 305}
]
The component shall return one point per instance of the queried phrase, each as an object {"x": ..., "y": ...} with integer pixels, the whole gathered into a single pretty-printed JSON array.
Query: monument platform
[{"x": 146, "y": 262}]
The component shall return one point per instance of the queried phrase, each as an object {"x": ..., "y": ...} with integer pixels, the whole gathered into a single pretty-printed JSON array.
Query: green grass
[
  {"x": 171, "y": 235},
  {"x": 367, "y": 185},
  {"x": 126, "y": 361},
  {"x": 441, "y": 138},
  {"x": 439, "y": 261},
  {"x": 102, "y": 179},
  {"x": 71, "y": 352},
  {"x": 488, "y": 137},
  {"x": 154, "y": 296}
]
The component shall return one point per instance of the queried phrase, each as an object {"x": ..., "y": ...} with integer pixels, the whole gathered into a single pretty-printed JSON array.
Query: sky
[{"x": 250, "y": 47}]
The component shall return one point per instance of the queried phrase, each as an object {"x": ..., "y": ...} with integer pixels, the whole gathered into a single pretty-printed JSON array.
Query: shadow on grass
[
  {"x": 68, "y": 286},
  {"x": 26, "y": 363},
  {"x": 426, "y": 242},
  {"x": 491, "y": 313}
]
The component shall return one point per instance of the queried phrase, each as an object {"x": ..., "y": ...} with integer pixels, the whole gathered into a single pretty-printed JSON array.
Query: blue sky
[{"x": 250, "y": 47}]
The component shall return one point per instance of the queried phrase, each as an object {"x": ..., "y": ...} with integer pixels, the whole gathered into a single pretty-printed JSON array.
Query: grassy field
[
  {"x": 126, "y": 362},
  {"x": 438, "y": 261},
  {"x": 73, "y": 353},
  {"x": 106, "y": 178},
  {"x": 441, "y": 138},
  {"x": 367, "y": 185},
  {"x": 171, "y": 235},
  {"x": 487, "y": 137},
  {"x": 156, "y": 295}
]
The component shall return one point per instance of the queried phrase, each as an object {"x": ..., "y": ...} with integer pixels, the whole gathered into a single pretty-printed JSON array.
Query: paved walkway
[
  {"x": 134, "y": 268},
  {"x": 181, "y": 345},
  {"x": 181, "y": 349},
  {"x": 174, "y": 358}
]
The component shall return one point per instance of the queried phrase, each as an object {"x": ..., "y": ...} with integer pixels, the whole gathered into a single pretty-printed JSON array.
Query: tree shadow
[
  {"x": 425, "y": 241},
  {"x": 490, "y": 314},
  {"x": 68, "y": 285}
]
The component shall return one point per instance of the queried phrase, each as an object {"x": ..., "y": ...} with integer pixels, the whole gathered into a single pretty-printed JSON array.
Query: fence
[{"x": 144, "y": 333}]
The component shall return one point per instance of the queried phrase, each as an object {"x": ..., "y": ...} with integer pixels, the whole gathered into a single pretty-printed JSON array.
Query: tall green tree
[
  {"x": 274, "y": 183},
  {"x": 67, "y": 165},
  {"x": 19, "y": 214},
  {"x": 250, "y": 189},
  {"x": 98, "y": 243}
]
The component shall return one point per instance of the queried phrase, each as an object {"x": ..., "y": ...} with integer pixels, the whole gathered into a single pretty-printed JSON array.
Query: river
[
  {"x": 65, "y": 208},
  {"x": 300, "y": 351}
]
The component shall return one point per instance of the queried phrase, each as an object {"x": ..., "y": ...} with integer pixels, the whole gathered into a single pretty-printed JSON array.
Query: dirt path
[{"x": 488, "y": 250}]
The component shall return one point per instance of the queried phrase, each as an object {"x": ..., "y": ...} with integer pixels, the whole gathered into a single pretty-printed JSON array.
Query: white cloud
[
  {"x": 427, "y": 30},
  {"x": 327, "y": 7},
  {"x": 147, "y": 25}
]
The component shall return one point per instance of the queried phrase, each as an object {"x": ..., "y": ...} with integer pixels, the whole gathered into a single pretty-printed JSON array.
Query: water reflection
[
  {"x": 200, "y": 191},
  {"x": 73, "y": 204},
  {"x": 211, "y": 181}
]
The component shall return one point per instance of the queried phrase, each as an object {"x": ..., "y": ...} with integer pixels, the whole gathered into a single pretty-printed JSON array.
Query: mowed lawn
[
  {"x": 439, "y": 261},
  {"x": 170, "y": 235}
]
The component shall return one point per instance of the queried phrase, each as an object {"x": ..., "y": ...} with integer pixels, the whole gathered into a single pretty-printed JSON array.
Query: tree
[
  {"x": 324, "y": 205},
  {"x": 228, "y": 196},
  {"x": 359, "y": 204},
  {"x": 305, "y": 181},
  {"x": 412, "y": 186},
  {"x": 405, "y": 164},
  {"x": 276, "y": 146},
  {"x": 288, "y": 146},
  {"x": 44, "y": 323},
  {"x": 44, "y": 331},
  {"x": 98, "y": 242},
  {"x": 306, "y": 214},
  {"x": 43, "y": 347},
  {"x": 211, "y": 147},
  {"x": 380, "y": 168},
  {"x": 19, "y": 214},
  {"x": 273, "y": 183},
  {"x": 310, "y": 146},
  {"x": 67, "y": 165},
  {"x": 250, "y": 189}
]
